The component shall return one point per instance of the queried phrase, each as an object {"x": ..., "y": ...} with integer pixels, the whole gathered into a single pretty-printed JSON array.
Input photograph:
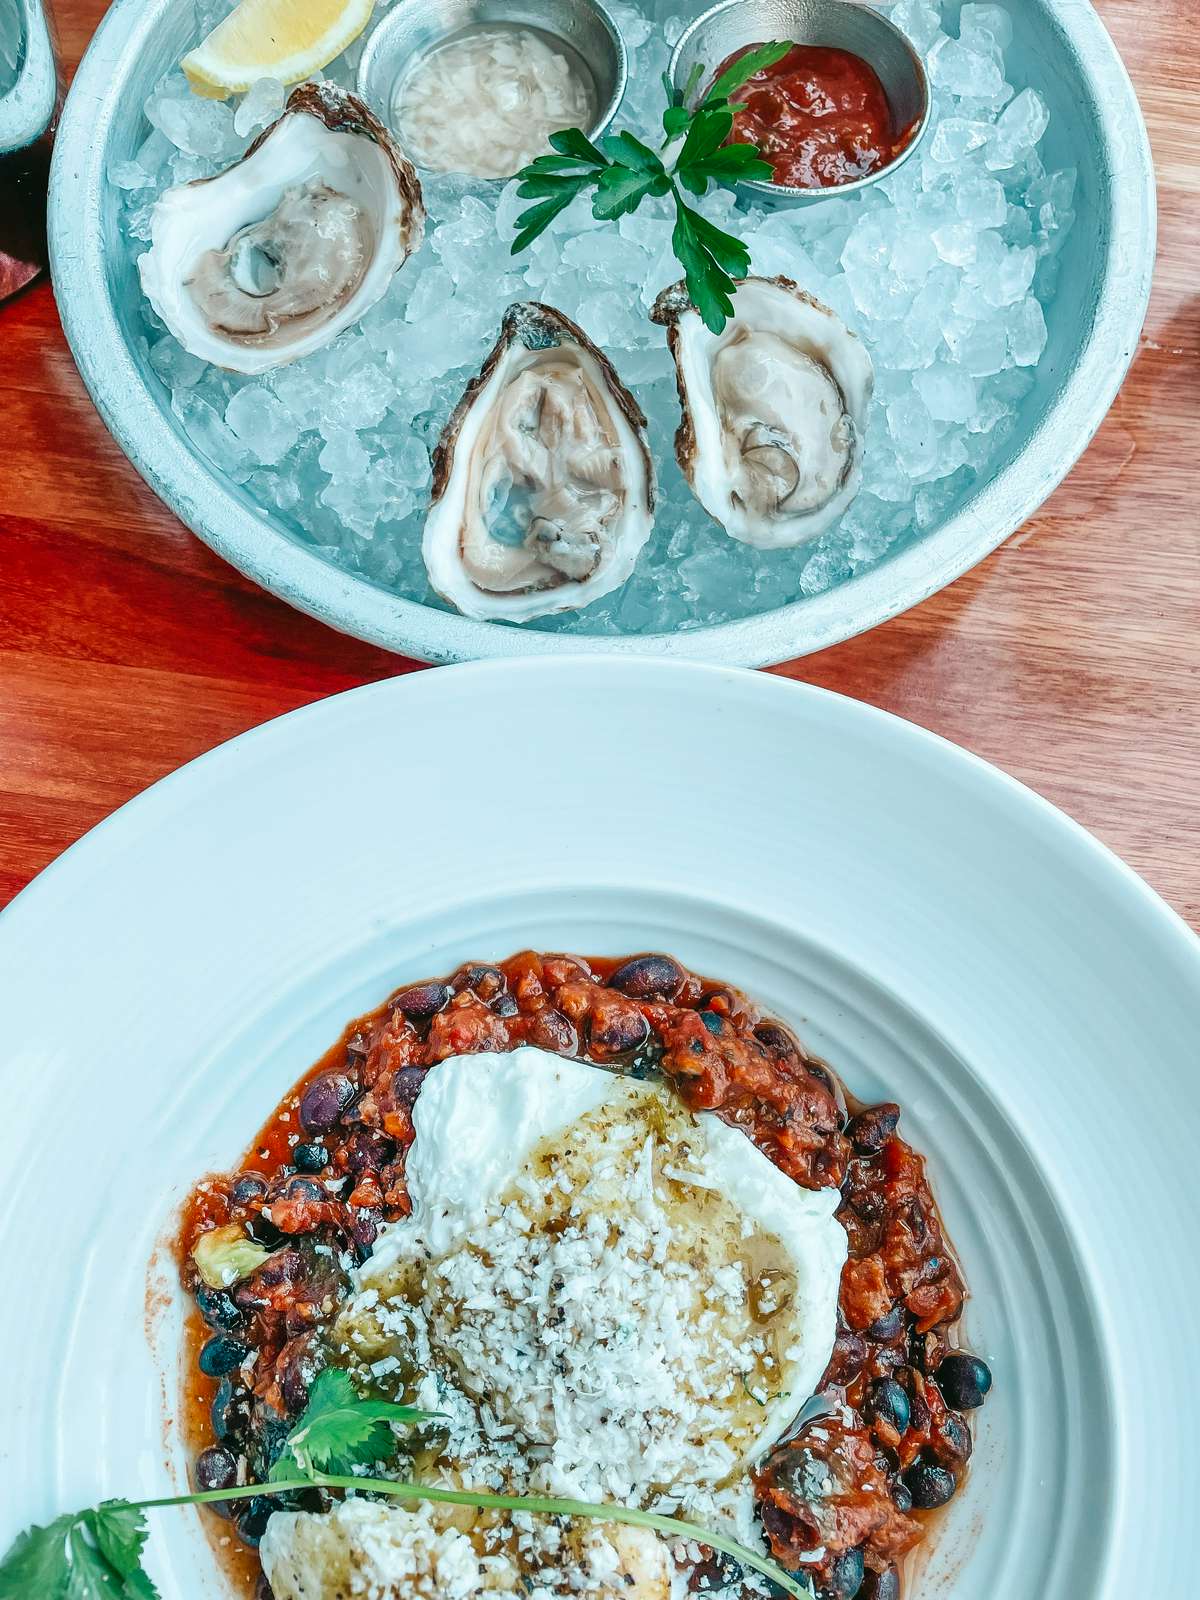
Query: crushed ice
[{"x": 943, "y": 268}]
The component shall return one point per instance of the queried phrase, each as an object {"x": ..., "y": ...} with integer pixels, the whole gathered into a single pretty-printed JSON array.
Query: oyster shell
[
  {"x": 274, "y": 257},
  {"x": 774, "y": 409},
  {"x": 543, "y": 489}
]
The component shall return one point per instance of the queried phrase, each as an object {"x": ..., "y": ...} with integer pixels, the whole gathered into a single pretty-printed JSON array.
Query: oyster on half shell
[
  {"x": 274, "y": 257},
  {"x": 543, "y": 488},
  {"x": 774, "y": 409}
]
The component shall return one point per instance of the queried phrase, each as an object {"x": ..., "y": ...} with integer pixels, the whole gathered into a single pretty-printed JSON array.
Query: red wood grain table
[{"x": 1071, "y": 657}]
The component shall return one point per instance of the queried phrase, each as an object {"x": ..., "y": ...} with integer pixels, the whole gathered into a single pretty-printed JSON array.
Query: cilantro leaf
[
  {"x": 744, "y": 68},
  {"x": 35, "y": 1564},
  {"x": 119, "y": 1530},
  {"x": 91, "y": 1577},
  {"x": 339, "y": 1432}
]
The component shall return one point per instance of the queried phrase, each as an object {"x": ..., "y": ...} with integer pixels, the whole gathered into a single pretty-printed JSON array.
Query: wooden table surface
[{"x": 1071, "y": 657}]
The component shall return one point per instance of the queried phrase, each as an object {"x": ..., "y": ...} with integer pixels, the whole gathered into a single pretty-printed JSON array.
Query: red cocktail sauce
[{"x": 820, "y": 116}]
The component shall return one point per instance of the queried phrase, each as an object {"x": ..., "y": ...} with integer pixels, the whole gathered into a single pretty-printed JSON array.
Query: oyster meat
[
  {"x": 543, "y": 489},
  {"x": 774, "y": 409},
  {"x": 274, "y": 257}
]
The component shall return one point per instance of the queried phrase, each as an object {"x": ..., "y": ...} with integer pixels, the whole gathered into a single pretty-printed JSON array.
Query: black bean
[
  {"x": 406, "y": 1085},
  {"x": 217, "y": 1307},
  {"x": 422, "y": 1000},
  {"x": 253, "y": 1518},
  {"x": 367, "y": 1149},
  {"x": 929, "y": 1484},
  {"x": 713, "y": 1021},
  {"x": 487, "y": 982},
  {"x": 364, "y": 1225},
  {"x": 505, "y": 1006},
  {"x": 310, "y": 1157},
  {"x": 952, "y": 1443},
  {"x": 848, "y": 1359},
  {"x": 295, "y": 1186},
  {"x": 230, "y": 1410},
  {"x": 221, "y": 1356},
  {"x": 323, "y": 1102},
  {"x": 715, "y": 1571},
  {"x": 871, "y": 1129},
  {"x": 881, "y": 1586},
  {"x": 900, "y": 1494},
  {"x": 649, "y": 978},
  {"x": 263, "y": 1231},
  {"x": 216, "y": 1468},
  {"x": 964, "y": 1380},
  {"x": 550, "y": 1030},
  {"x": 888, "y": 1328},
  {"x": 626, "y": 1031},
  {"x": 296, "y": 1380},
  {"x": 249, "y": 1187},
  {"x": 845, "y": 1575},
  {"x": 777, "y": 1038},
  {"x": 887, "y": 1402}
]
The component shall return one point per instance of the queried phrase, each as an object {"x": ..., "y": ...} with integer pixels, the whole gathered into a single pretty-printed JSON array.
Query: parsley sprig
[
  {"x": 97, "y": 1554},
  {"x": 623, "y": 172}
]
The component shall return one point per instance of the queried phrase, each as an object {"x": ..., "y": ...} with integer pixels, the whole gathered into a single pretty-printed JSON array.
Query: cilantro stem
[{"x": 537, "y": 1504}]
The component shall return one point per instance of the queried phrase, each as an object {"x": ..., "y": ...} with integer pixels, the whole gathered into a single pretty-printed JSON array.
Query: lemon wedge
[{"x": 283, "y": 39}]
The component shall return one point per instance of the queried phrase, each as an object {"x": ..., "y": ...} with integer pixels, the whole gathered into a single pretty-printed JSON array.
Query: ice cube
[
  {"x": 261, "y": 104},
  {"x": 981, "y": 201},
  {"x": 177, "y": 367},
  {"x": 965, "y": 72},
  {"x": 977, "y": 23},
  {"x": 955, "y": 138},
  {"x": 262, "y": 423},
  {"x": 1027, "y": 332},
  {"x": 343, "y": 455},
  {"x": 949, "y": 393},
  {"x": 209, "y": 433},
  {"x": 1020, "y": 128}
]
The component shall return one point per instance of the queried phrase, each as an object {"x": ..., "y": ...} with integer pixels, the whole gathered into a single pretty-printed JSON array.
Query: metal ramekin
[
  {"x": 28, "y": 103},
  {"x": 411, "y": 28},
  {"x": 844, "y": 24}
]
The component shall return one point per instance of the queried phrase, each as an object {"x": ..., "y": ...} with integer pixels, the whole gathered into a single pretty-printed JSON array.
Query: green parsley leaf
[
  {"x": 708, "y": 131},
  {"x": 622, "y": 190},
  {"x": 574, "y": 142},
  {"x": 339, "y": 1432},
  {"x": 675, "y": 121},
  {"x": 627, "y": 151},
  {"x": 538, "y": 218},
  {"x": 696, "y": 243},
  {"x": 734, "y": 163},
  {"x": 35, "y": 1564},
  {"x": 742, "y": 70}
]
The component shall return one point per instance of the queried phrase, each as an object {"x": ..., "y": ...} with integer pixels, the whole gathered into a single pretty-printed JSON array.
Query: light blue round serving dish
[{"x": 1094, "y": 324}]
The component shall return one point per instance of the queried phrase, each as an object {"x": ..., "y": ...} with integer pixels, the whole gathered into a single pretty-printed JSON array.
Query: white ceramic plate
[{"x": 938, "y": 932}]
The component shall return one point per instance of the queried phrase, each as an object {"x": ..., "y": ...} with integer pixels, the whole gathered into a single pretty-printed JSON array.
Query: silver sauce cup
[
  {"x": 843, "y": 24},
  {"x": 412, "y": 28}
]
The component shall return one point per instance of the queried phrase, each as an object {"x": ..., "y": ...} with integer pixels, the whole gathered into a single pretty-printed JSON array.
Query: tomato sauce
[{"x": 820, "y": 116}]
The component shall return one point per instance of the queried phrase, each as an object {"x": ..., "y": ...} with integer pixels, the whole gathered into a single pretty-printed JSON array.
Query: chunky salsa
[{"x": 846, "y": 1498}]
